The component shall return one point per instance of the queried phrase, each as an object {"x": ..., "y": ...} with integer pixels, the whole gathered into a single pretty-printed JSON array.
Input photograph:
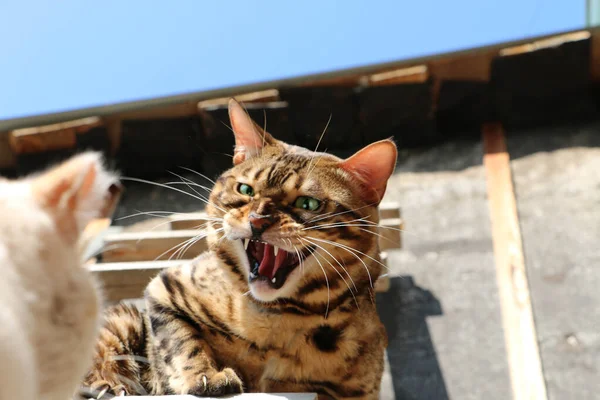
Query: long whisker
[
  {"x": 183, "y": 249},
  {"x": 167, "y": 214},
  {"x": 351, "y": 251},
  {"x": 343, "y": 246},
  {"x": 336, "y": 260},
  {"x": 160, "y": 185},
  {"x": 191, "y": 182},
  {"x": 327, "y": 282},
  {"x": 199, "y": 174},
  {"x": 187, "y": 182},
  {"x": 335, "y": 269},
  {"x": 178, "y": 245},
  {"x": 361, "y": 220},
  {"x": 360, "y": 225},
  {"x": 324, "y": 216},
  {"x": 316, "y": 147},
  {"x": 300, "y": 261}
]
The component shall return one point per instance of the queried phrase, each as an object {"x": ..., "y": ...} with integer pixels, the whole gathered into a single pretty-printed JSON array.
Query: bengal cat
[{"x": 284, "y": 299}]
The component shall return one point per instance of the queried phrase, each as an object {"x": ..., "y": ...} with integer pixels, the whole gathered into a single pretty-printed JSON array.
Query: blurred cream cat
[{"x": 49, "y": 304}]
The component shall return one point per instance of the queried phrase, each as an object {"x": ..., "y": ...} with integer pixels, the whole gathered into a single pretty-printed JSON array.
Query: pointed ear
[
  {"x": 249, "y": 137},
  {"x": 372, "y": 166},
  {"x": 77, "y": 191}
]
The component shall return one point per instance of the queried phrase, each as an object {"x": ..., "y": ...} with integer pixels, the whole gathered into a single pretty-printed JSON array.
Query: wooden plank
[
  {"x": 416, "y": 74},
  {"x": 141, "y": 246},
  {"x": 390, "y": 234},
  {"x": 519, "y": 328},
  {"x": 185, "y": 109},
  {"x": 127, "y": 280},
  {"x": 114, "y": 131},
  {"x": 264, "y": 96},
  {"x": 7, "y": 156},
  {"x": 467, "y": 67},
  {"x": 188, "y": 221},
  {"x": 389, "y": 209},
  {"x": 545, "y": 43},
  {"x": 50, "y": 137},
  {"x": 595, "y": 56}
]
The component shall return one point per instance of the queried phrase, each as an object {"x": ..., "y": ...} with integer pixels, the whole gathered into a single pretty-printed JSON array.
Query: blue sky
[{"x": 69, "y": 54}]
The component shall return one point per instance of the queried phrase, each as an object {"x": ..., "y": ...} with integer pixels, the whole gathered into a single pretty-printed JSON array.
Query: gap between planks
[{"x": 520, "y": 335}]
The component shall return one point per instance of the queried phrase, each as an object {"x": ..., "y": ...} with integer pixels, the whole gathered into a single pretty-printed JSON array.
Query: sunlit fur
[
  {"x": 279, "y": 175},
  {"x": 49, "y": 306},
  {"x": 208, "y": 331}
]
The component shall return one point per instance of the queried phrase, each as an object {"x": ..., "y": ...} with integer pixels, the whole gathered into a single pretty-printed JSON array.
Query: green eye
[
  {"x": 245, "y": 189},
  {"x": 307, "y": 203}
]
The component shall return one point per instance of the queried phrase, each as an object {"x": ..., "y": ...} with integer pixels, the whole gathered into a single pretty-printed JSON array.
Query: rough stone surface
[
  {"x": 442, "y": 311},
  {"x": 558, "y": 194}
]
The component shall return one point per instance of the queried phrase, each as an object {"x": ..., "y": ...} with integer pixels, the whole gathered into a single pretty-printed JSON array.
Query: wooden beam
[
  {"x": 142, "y": 246},
  {"x": 8, "y": 158},
  {"x": 517, "y": 315},
  {"x": 595, "y": 56},
  {"x": 467, "y": 67},
  {"x": 50, "y": 137},
  {"x": 545, "y": 43},
  {"x": 416, "y": 74},
  {"x": 185, "y": 109},
  {"x": 127, "y": 280},
  {"x": 264, "y": 96}
]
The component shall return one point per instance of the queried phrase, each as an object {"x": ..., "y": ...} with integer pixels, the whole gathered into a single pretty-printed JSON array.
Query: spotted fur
[{"x": 210, "y": 330}]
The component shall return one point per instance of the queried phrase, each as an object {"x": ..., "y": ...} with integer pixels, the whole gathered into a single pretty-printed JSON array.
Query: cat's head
[
  {"x": 43, "y": 215},
  {"x": 300, "y": 223}
]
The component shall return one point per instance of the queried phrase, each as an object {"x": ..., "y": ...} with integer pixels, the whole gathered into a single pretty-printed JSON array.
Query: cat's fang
[
  {"x": 275, "y": 250},
  {"x": 274, "y": 280},
  {"x": 246, "y": 241}
]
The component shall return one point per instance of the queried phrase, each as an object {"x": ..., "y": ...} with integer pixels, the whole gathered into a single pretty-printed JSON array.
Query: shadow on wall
[{"x": 415, "y": 370}]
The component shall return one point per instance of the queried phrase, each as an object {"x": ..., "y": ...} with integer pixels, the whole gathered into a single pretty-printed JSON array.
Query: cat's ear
[
  {"x": 250, "y": 138},
  {"x": 371, "y": 167},
  {"x": 77, "y": 191}
]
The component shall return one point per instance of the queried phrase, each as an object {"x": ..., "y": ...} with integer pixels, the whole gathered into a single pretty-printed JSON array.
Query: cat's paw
[
  {"x": 103, "y": 390},
  {"x": 218, "y": 384}
]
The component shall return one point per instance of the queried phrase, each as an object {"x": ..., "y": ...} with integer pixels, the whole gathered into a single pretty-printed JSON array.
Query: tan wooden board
[
  {"x": 50, "y": 137},
  {"x": 127, "y": 280},
  {"x": 153, "y": 245},
  {"x": 416, "y": 74},
  {"x": 519, "y": 327}
]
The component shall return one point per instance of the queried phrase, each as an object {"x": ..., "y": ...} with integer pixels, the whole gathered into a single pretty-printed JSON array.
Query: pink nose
[{"x": 259, "y": 223}]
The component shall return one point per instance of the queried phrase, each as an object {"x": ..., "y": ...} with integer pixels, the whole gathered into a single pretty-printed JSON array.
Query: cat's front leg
[{"x": 187, "y": 362}]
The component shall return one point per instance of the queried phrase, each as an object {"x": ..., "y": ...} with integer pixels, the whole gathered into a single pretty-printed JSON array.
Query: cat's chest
[{"x": 300, "y": 350}]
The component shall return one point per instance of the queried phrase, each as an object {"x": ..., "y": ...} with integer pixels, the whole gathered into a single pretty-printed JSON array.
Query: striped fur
[{"x": 209, "y": 331}]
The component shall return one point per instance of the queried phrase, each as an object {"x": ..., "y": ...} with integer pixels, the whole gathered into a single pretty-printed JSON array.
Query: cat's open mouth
[{"x": 270, "y": 263}]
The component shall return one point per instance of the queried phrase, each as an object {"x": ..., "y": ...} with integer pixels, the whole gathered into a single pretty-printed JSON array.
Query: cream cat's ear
[
  {"x": 249, "y": 137},
  {"x": 372, "y": 166},
  {"x": 77, "y": 191}
]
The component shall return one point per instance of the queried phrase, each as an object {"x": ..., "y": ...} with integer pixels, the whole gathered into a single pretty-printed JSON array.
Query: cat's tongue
[{"x": 270, "y": 263}]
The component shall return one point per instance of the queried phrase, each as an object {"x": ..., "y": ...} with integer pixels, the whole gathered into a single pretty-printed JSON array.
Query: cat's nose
[{"x": 259, "y": 223}]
